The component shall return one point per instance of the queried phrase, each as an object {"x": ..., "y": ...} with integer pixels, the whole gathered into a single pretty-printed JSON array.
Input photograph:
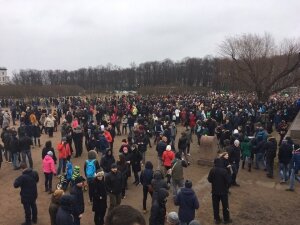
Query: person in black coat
[
  {"x": 187, "y": 201},
  {"x": 234, "y": 153},
  {"x": 48, "y": 147},
  {"x": 285, "y": 154},
  {"x": 77, "y": 194},
  {"x": 220, "y": 181},
  {"x": 14, "y": 147},
  {"x": 145, "y": 179},
  {"x": 136, "y": 161},
  {"x": 158, "y": 208},
  {"x": 99, "y": 198},
  {"x": 270, "y": 154},
  {"x": 64, "y": 213},
  {"x": 106, "y": 161},
  {"x": 114, "y": 183},
  {"x": 157, "y": 183},
  {"x": 28, "y": 184}
]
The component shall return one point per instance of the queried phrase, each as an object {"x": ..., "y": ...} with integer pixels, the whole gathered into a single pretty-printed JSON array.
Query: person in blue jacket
[{"x": 187, "y": 201}]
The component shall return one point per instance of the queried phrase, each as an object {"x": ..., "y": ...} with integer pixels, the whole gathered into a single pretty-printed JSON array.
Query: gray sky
[{"x": 70, "y": 34}]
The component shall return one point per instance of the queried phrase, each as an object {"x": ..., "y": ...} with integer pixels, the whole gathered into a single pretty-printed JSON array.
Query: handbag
[
  {"x": 169, "y": 171},
  {"x": 150, "y": 188}
]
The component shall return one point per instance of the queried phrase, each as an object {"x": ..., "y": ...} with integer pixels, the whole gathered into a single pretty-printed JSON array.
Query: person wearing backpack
[{"x": 90, "y": 167}]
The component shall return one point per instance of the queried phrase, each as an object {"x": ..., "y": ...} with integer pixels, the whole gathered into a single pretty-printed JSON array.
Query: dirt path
[{"x": 259, "y": 200}]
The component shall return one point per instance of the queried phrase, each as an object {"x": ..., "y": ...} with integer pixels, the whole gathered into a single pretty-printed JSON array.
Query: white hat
[
  {"x": 50, "y": 153},
  {"x": 235, "y": 131}
]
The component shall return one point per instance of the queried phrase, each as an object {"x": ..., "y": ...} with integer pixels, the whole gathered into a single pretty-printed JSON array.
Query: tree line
[{"x": 248, "y": 62}]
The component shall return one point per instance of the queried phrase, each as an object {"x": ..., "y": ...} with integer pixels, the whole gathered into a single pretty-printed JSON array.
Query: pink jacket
[{"x": 48, "y": 165}]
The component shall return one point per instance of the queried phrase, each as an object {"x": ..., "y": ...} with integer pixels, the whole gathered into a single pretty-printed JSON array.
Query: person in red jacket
[
  {"x": 49, "y": 170},
  {"x": 64, "y": 153},
  {"x": 167, "y": 158}
]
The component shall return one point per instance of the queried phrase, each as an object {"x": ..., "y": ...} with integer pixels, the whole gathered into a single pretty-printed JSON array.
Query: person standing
[
  {"x": 54, "y": 205},
  {"x": 187, "y": 201},
  {"x": 64, "y": 212},
  {"x": 91, "y": 165},
  {"x": 270, "y": 154},
  {"x": 114, "y": 183},
  {"x": 99, "y": 198},
  {"x": 177, "y": 173},
  {"x": 145, "y": 179},
  {"x": 28, "y": 184},
  {"x": 295, "y": 167},
  {"x": 64, "y": 153},
  {"x": 167, "y": 158},
  {"x": 14, "y": 147},
  {"x": 49, "y": 170},
  {"x": 25, "y": 146},
  {"x": 49, "y": 125},
  {"x": 234, "y": 153},
  {"x": 158, "y": 208},
  {"x": 78, "y": 200},
  {"x": 285, "y": 154},
  {"x": 136, "y": 162},
  {"x": 220, "y": 181}
]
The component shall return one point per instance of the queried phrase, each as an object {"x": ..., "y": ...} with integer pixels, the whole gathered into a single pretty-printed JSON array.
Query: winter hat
[
  {"x": 79, "y": 180},
  {"x": 63, "y": 138},
  {"x": 58, "y": 193},
  {"x": 113, "y": 166},
  {"x": 236, "y": 143},
  {"x": 102, "y": 127},
  {"x": 172, "y": 218},
  {"x": 194, "y": 222},
  {"x": 50, "y": 153},
  {"x": 76, "y": 172},
  {"x": 188, "y": 184},
  {"x": 168, "y": 147},
  {"x": 235, "y": 131}
]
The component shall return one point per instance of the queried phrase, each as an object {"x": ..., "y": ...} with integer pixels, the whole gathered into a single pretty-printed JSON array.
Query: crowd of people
[{"x": 243, "y": 126}]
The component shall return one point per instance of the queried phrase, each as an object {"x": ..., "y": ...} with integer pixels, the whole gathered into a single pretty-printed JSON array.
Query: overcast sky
[{"x": 70, "y": 34}]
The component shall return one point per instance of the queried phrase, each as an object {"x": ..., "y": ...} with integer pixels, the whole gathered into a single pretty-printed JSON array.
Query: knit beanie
[
  {"x": 76, "y": 173},
  {"x": 172, "y": 218},
  {"x": 188, "y": 184}
]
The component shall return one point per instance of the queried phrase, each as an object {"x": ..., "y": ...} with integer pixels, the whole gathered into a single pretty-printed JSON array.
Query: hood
[
  {"x": 218, "y": 162},
  {"x": 157, "y": 175},
  {"x": 162, "y": 194},
  {"x": 27, "y": 171},
  {"x": 66, "y": 202},
  {"x": 48, "y": 158},
  {"x": 187, "y": 191}
]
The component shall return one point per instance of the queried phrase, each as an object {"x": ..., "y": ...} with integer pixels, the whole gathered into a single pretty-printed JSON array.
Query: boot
[
  {"x": 249, "y": 167},
  {"x": 243, "y": 165}
]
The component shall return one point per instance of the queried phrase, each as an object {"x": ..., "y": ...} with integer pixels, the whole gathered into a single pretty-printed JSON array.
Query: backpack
[
  {"x": 260, "y": 136},
  {"x": 69, "y": 170},
  {"x": 90, "y": 168}
]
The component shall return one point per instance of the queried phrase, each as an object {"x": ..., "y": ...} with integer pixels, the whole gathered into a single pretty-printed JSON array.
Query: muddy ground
[{"x": 257, "y": 201}]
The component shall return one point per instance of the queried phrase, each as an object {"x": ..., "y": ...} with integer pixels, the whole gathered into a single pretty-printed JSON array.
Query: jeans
[
  {"x": 216, "y": 200},
  {"x": 293, "y": 177},
  {"x": 235, "y": 170},
  {"x": 259, "y": 159},
  {"x": 145, "y": 195},
  {"x": 27, "y": 153},
  {"x": 15, "y": 157},
  {"x": 48, "y": 181},
  {"x": 114, "y": 200},
  {"x": 30, "y": 211},
  {"x": 61, "y": 165},
  {"x": 176, "y": 185},
  {"x": 99, "y": 216},
  {"x": 91, "y": 188},
  {"x": 270, "y": 166},
  {"x": 284, "y": 171}
]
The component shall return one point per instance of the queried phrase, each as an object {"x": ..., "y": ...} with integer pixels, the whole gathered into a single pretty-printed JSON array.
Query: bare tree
[{"x": 261, "y": 65}]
